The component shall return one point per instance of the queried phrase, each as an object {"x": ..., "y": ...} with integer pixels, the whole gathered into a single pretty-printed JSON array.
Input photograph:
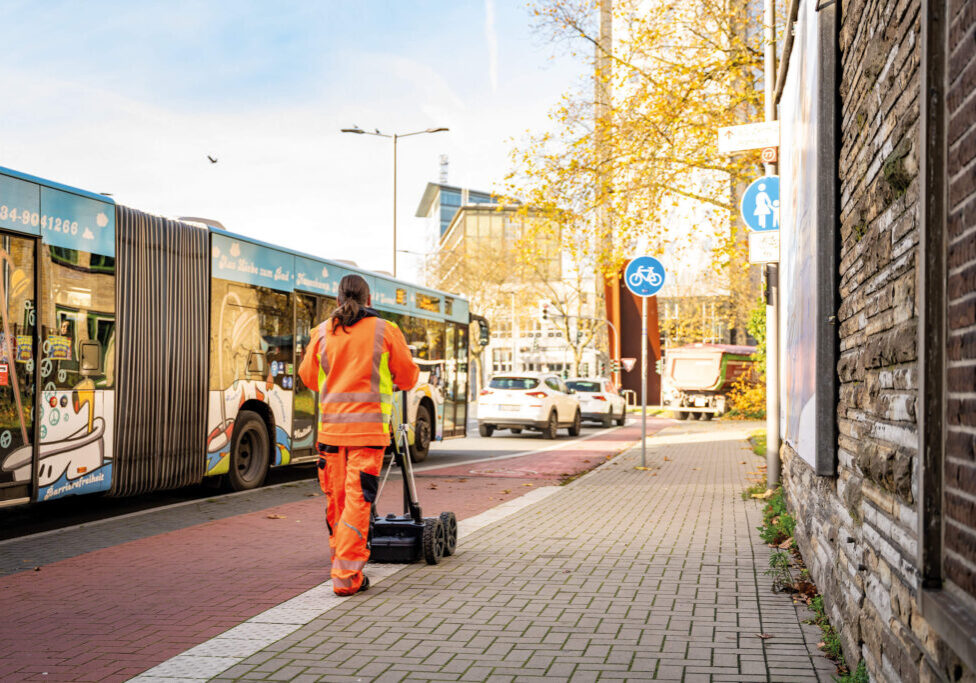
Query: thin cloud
[{"x": 491, "y": 37}]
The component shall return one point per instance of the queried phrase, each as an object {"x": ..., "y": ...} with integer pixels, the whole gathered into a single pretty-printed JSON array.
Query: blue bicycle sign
[{"x": 644, "y": 276}]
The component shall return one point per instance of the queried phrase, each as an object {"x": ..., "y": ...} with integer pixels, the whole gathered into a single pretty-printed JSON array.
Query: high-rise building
[
  {"x": 479, "y": 255},
  {"x": 441, "y": 201}
]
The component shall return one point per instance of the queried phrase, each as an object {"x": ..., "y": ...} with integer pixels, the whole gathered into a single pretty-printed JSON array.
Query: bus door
[
  {"x": 449, "y": 388},
  {"x": 305, "y": 401},
  {"x": 310, "y": 310},
  {"x": 18, "y": 320}
]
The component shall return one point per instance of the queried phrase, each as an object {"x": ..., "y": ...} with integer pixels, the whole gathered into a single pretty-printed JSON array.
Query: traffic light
[
  {"x": 659, "y": 366},
  {"x": 545, "y": 310},
  {"x": 484, "y": 333},
  {"x": 614, "y": 365}
]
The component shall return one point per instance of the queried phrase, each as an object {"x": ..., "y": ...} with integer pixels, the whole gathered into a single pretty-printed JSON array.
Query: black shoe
[{"x": 364, "y": 586}]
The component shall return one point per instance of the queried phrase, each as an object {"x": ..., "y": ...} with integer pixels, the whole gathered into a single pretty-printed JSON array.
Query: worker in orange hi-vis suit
[{"x": 353, "y": 360}]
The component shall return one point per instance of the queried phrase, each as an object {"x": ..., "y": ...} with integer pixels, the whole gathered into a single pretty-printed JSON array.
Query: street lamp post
[{"x": 393, "y": 136}]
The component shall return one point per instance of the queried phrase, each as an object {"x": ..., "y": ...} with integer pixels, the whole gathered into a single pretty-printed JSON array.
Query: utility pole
[
  {"x": 603, "y": 132},
  {"x": 772, "y": 269}
]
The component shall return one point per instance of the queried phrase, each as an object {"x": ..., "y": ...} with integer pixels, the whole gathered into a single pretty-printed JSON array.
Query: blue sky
[{"x": 130, "y": 97}]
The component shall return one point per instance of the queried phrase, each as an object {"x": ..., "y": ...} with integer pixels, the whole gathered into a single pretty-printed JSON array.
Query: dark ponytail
[{"x": 353, "y": 298}]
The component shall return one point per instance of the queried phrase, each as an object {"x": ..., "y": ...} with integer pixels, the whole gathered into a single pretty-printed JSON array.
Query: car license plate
[{"x": 508, "y": 407}]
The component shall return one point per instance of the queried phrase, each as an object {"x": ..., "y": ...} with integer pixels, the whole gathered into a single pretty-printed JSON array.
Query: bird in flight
[{"x": 212, "y": 159}]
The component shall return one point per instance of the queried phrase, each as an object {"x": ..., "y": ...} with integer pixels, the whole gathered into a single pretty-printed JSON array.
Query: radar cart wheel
[
  {"x": 449, "y": 522},
  {"x": 433, "y": 540}
]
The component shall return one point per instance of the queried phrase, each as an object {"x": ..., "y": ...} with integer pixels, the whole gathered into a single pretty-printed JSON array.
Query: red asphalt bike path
[{"x": 113, "y": 613}]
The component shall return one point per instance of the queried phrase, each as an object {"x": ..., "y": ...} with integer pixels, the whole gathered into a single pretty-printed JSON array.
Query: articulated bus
[{"x": 140, "y": 353}]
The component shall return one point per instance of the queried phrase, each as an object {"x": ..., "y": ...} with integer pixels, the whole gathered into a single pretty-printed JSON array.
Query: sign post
[
  {"x": 761, "y": 213},
  {"x": 644, "y": 276}
]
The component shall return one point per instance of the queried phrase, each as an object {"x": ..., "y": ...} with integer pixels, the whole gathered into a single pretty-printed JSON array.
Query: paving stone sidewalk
[{"x": 622, "y": 575}]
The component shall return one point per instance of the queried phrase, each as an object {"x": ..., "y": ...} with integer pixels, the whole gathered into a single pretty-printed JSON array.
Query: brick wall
[
  {"x": 858, "y": 531},
  {"x": 959, "y": 554}
]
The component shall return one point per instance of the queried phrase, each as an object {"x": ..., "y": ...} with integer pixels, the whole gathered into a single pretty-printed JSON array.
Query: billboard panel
[{"x": 798, "y": 245}]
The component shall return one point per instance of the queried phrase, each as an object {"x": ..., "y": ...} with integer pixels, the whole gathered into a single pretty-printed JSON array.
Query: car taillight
[
  {"x": 536, "y": 394},
  {"x": 486, "y": 392},
  {"x": 598, "y": 397}
]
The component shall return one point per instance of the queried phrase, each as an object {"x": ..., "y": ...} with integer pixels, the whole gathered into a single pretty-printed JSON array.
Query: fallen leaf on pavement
[
  {"x": 786, "y": 544},
  {"x": 696, "y": 468},
  {"x": 642, "y": 468},
  {"x": 526, "y": 484},
  {"x": 743, "y": 462},
  {"x": 764, "y": 636},
  {"x": 507, "y": 491},
  {"x": 666, "y": 458},
  {"x": 586, "y": 461},
  {"x": 432, "y": 486},
  {"x": 275, "y": 516}
]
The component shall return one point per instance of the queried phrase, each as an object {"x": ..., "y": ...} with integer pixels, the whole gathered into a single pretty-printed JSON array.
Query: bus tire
[
  {"x": 421, "y": 435},
  {"x": 707, "y": 416},
  {"x": 681, "y": 414},
  {"x": 250, "y": 452}
]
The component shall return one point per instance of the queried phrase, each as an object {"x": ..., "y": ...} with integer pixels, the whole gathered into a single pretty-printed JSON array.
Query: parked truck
[{"x": 696, "y": 378}]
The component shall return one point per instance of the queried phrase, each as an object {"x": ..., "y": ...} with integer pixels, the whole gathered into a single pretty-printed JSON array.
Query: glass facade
[{"x": 449, "y": 199}]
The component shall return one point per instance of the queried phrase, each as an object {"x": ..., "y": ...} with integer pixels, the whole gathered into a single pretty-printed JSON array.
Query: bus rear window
[{"x": 520, "y": 383}]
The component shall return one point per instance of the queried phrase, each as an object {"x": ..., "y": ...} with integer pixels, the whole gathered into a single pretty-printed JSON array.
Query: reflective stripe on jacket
[{"x": 355, "y": 371}]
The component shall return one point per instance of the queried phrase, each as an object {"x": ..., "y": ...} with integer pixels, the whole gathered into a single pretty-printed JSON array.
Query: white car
[
  {"x": 536, "y": 401},
  {"x": 599, "y": 400}
]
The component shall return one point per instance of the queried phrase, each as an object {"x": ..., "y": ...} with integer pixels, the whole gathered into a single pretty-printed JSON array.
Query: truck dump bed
[{"x": 706, "y": 367}]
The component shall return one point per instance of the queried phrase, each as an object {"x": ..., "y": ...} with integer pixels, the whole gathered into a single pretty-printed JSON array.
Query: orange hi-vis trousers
[{"x": 349, "y": 476}]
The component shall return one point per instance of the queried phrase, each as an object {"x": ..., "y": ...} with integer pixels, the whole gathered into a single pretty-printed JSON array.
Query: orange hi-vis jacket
[{"x": 354, "y": 371}]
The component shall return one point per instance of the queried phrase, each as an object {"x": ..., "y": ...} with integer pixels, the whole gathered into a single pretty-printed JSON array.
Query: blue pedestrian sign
[
  {"x": 644, "y": 276},
  {"x": 760, "y": 204}
]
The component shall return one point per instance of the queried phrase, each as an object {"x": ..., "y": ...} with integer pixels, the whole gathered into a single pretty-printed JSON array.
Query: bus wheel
[
  {"x": 681, "y": 414},
  {"x": 707, "y": 416},
  {"x": 421, "y": 436},
  {"x": 250, "y": 452}
]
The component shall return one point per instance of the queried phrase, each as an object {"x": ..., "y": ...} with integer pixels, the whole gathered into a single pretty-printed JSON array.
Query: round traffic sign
[
  {"x": 644, "y": 276},
  {"x": 760, "y": 204}
]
